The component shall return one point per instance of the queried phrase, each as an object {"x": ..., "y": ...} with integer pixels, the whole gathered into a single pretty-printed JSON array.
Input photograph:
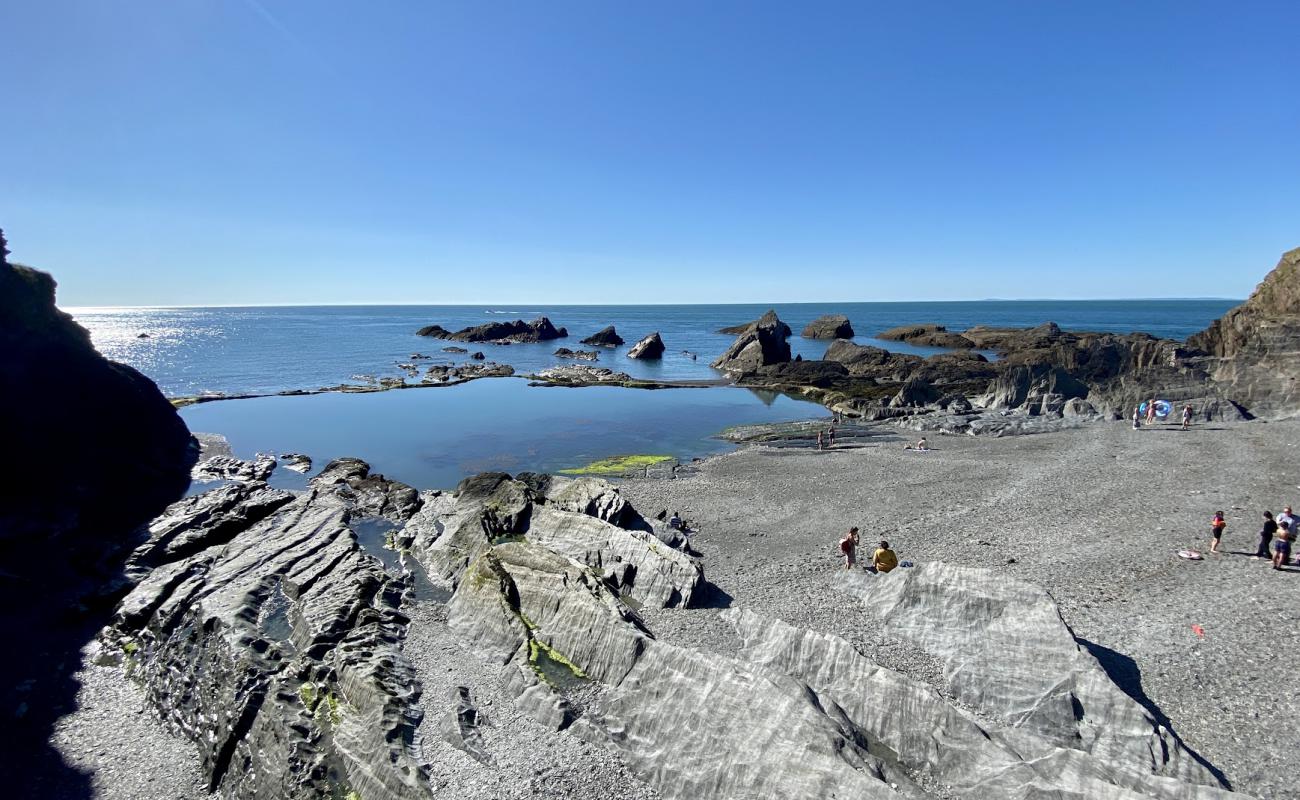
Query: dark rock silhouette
[
  {"x": 92, "y": 451},
  {"x": 605, "y": 337},
  {"x": 539, "y": 330}
]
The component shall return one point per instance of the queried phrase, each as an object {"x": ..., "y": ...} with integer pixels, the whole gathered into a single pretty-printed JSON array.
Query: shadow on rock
[{"x": 1124, "y": 673}]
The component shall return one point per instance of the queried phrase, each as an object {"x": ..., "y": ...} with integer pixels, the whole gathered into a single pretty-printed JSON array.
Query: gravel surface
[
  {"x": 1095, "y": 515},
  {"x": 116, "y": 737}
]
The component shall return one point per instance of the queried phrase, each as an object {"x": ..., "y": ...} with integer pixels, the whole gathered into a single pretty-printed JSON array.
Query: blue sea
[
  {"x": 432, "y": 437},
  {"x": 262, "y": 350}
]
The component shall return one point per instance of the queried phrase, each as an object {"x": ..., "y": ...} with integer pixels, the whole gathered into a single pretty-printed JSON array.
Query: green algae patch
[
  {"x": 552, "y": 667},
  {"x": 618, "y": 465}
]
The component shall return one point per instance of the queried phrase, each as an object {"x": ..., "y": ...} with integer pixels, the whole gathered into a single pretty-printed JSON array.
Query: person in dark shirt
[{"x": 1266, "y": 536}]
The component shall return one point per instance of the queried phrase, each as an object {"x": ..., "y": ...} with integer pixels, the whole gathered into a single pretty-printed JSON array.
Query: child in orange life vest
[{"x": 1216, "y": 530}]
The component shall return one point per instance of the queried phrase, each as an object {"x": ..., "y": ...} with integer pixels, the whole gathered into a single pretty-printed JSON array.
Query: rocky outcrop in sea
[
  {"x": 760, "y": 343},
  {"x": 539, "y": 330},
  {"x": 1045, "y": 378},
  {"x": 605, "y": 337},
  {"x": 828, "y": 326},
  {"x": 649, "y": 347}
]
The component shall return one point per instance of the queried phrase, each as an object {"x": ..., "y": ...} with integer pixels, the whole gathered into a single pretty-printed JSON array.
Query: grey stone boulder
[
  {"x": 829, "y": 326},
  {"x": 1077, "y": 407},
  {"x": 649, "y": 348}
]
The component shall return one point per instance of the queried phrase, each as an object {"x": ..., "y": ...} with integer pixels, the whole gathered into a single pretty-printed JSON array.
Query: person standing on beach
[
  {"x": 819, "y": 440},
  {"x": 1286, "y": 531},
  {"x": 849, "y": 548},
  {"x": 1151, "y": 411},
  {"x": 1216, "y": 530},
  {"x": 1187, "y": 417},
  {"x": 1282, "y": 544},
  {"x": 1137, "y": 417},
  {"x": 1266, "y": 536}
]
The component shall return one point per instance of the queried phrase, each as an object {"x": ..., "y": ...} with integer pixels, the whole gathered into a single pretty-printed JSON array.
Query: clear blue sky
[{"x": 298, "y": 151}]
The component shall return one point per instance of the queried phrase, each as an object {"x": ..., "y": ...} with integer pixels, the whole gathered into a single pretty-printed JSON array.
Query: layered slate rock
[
  {"x": 539, "y": 330},
  {"x": 1255, "y": 347},
  {"x": 759, "y": 344},
  {"x": 265, "y": 634},
  {"x": 797, "y": 713},
  {"x": 584, "y": 519},
  {"x": 828, "y": 326},
  {"x": 651, "y": 347},
  {"x": 605, "y": 337}
]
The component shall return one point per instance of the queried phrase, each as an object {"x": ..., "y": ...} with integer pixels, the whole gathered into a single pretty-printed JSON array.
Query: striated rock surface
[
  {"x": 605, "y": 337},
  {"x": 759, "y": 344},
  {"x": 273, "y": 642},
  {"x": 650, "y": 347},
  {"x": 263, "y": 630},
  {"x": 539, "y": 330},
  {"x": 1255, "y": 347},
  {"x": 828, "y": 326}
]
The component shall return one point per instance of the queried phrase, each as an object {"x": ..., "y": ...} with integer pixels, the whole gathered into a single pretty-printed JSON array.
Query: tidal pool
[{"x": 434, "y": 437}]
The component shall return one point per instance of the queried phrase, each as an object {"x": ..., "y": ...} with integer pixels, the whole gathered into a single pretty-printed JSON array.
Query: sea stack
[
  {"x": 760, "y": 343},
  {"x": 651, "y": 347}
]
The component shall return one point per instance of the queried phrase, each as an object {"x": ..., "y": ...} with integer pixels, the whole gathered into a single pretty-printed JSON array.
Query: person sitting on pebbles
[
  {"x": 922, "y": 445},
  {"x": 884, "y": 559}
]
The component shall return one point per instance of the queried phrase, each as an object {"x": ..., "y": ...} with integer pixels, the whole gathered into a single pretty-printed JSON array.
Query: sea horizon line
[{"x": 72, "y": 308}]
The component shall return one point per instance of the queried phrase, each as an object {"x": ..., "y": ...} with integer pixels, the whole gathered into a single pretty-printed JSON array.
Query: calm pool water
[{"x": 433, "y": 437}]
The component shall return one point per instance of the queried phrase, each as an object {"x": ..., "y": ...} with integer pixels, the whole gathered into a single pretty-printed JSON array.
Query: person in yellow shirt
[{"x": 884, "y": 559}]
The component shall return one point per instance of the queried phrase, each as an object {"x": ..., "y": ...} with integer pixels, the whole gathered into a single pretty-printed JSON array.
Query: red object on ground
[{"x": 1199, "y": 631}]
